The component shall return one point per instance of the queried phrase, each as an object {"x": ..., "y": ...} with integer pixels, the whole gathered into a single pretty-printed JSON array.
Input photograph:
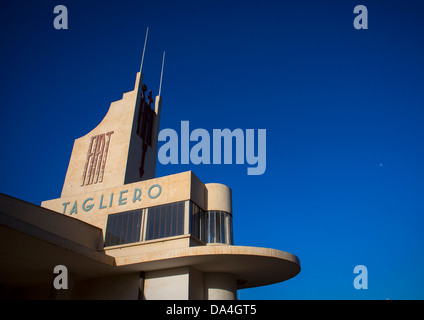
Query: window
[
  {"x": 220, "y": 227},
  {"x": 162, "y": 221},
  {"x": 198, "y": 225},
  {"x": 165, "y": 221},
  {"x": 123, "y": 227},
  {"x": 211, "y": 226}
]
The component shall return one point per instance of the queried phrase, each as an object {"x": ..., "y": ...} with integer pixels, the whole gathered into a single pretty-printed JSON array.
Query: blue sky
[{"x": 343, "y": 110}]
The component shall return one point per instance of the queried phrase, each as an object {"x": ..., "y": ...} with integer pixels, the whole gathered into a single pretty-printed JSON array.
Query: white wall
[{"x": 169, "y": 284}]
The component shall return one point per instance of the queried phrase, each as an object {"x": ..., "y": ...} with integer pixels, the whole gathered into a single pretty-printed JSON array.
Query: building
[{"x": 123, "y": 233}]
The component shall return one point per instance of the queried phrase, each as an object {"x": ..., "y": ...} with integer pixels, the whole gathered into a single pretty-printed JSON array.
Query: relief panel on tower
[
  {"x": 95, "y": 163},
  {"x": 145, "y": 124}
]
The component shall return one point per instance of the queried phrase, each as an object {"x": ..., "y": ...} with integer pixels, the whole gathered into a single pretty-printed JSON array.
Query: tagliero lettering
[
  {"x": 201, "y": 151},
  {"x": 104, "y": 201}
]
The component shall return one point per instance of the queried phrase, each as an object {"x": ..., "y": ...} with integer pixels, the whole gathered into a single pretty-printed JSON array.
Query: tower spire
[
  {"x": 144, "y": 49},
  {"x": 161, "y": 73}
]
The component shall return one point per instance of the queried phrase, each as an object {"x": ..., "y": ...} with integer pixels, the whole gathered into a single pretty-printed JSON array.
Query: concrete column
[
  {"x": 220, "y": 286},
  {"x": 187, "y": 217}
]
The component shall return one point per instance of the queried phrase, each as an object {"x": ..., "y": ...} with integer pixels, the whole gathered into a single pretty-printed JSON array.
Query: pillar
[{"x": 220, "y": 286}]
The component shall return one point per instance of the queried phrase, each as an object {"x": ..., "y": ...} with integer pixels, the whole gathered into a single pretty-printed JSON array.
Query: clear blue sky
[{"x": 343, "y": 110}]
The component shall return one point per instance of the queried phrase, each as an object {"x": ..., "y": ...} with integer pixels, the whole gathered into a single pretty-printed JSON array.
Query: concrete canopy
[
  {"x": 30, "y": 248},
  {"x": 252, "y": 266}
]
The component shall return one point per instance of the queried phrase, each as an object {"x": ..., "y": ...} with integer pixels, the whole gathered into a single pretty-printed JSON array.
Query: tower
[{"x": 123, "y": 147}]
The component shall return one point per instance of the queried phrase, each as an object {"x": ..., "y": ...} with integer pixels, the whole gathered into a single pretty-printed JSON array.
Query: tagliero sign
[{"x": 103, "y": 201}]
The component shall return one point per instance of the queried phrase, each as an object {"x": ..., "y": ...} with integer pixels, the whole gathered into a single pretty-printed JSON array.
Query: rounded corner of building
[{"x": 219, "y": 197}]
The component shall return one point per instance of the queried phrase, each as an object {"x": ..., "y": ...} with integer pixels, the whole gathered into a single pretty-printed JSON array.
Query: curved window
[
  {"x": 211, "y": 226},
  {"x": 220, "y": 227}
]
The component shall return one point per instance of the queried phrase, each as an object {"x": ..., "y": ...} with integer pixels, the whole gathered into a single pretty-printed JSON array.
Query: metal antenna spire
[
  {"x": 161, "y": 73},
  {"x": 144, "y": 49}
]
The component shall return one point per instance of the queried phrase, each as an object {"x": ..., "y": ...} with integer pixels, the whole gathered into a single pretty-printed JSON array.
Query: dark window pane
[
  {"x": 123, "y": 228},
  {"x": 168, "y": 222},
  {"x": 179, "y": 228},
  {"x": 231, "y": 229},
  {"x": 155, "y": 227},
  {"x": 123, "y": 231},
  {"x": 223, "y": 229},
  {"x": 109, "y": 227},
  {"x": 150, "y": 224},
  {"x": 195, "y": 221},
  {"x": 211, "y": 226},
  {"x": 117, "y": 230},
  {"x": 217, "y": 227},
  {"x": 137, "y": 226},
  {"x": 202, "y": 226},
  {"x": 114, "y": 230},
  {"x": 162, "y": 221}
]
